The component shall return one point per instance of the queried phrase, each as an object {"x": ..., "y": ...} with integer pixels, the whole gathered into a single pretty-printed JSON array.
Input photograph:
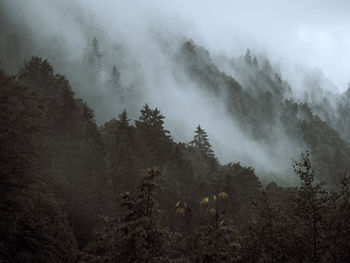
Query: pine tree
[
  {"x": 201, "y": 141},
  {"x": 157, "y": 119},
  {"x": 123, "y": 119},
  {"x": 248, "y": 57},
  {"x": 138, "y": 235},
  {"x": 255, "y": 62},
  {"x": 156, "y": 141},
  {"x": 152, "y": 118},
  {"x": 115, "y": 78},
  {"x": 146, "y": 115},
  {"x": 124, "y": 164},
  {"x": 311, "y": 206},
  {"x": 96, "y": 47},
  {"x": 33, "y": 223},
  {"x": 92, "y": 63},
  {"x": 72, "y": 155}
]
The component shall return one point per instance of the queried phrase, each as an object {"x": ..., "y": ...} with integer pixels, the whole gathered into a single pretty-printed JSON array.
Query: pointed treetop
[
  {"x": 115, "y": 77},
  {"x": 201, "y": 141},
  {"x": 248, "y": 57},
  {"x": 152, "y": 117},
  {"x": 146, "y": 114},
  {"x": 123, "y": 119},
  {"x": 157, "y": 118}
]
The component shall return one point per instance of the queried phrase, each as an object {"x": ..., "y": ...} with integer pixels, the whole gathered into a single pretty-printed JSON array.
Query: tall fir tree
[
  {"x": 154, "y": 138},
  {"x": 201, "y": 141},
  {"x": 124, "y": 159}
]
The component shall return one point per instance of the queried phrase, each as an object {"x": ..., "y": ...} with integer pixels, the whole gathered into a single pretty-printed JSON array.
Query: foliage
[
  {"x": 61, "y": 175},
  {"x": 138, "y": 236},
  {"x": 33, "y": 222},
  {"x": 201, "y": 142}
]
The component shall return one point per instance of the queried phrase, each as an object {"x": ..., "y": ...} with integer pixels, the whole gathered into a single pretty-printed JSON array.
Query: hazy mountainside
[
  {"x": 335, "y": 112},
  {"x": 61, "y": 165},
  {"x": 244, "y": 103},
  {"x": 259, "y": 108},
  {"x": 73, "y": 192},
  {"x": 147, "y": 146},
  {"x": 263, "y": 108}
]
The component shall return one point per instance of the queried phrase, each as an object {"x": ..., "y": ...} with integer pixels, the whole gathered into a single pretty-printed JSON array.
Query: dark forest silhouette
[{"x": 126, "y": 192}]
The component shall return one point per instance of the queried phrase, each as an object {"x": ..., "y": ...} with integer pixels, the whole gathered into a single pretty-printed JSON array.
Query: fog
[
  {"x": 142, "y": 37},
  {"x": 311, "y": 34}
]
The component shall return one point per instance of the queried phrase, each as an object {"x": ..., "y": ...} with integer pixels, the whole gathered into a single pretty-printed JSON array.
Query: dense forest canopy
[{"x": 164, "y": 150}]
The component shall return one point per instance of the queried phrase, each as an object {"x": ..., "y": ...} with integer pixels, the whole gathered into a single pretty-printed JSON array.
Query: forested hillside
[
  {"x": 264, "y": 108},
  {"x": 129, "y": 133},
  {"x": 125, "y": 191}
]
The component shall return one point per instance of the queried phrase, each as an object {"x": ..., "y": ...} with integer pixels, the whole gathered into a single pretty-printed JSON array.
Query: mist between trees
[
  {"x": 72, "y": 191},
  {"x": 142, "y": 143}
]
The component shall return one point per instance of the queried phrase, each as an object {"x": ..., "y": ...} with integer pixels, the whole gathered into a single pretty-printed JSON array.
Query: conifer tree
[
  {"x": 248, "y": 57},
  {"x": 115, "y": 78},
  {"x": 96, "y": 47},
  {"x": 201, "y": 141},
  {"x": 124, "y": 154},
  {"x": 157, "y": 119},
  {"x": 138, "y": 235},
  {"x": 146, "y": 115},
  {"x": 255, "y": 62},
  {"x": 311, "y": 205},
  {"x": 154, "y": 138},
  {"x": 71, "y": 157},
  {"x": 92, "y": 63},
  {"x": 33, "y": 223}
]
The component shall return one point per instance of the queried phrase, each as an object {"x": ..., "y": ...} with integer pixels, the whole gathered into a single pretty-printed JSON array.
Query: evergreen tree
[
  {"x": 156, "y": 141},
  {"x": 33, "y": 223},
  {"x": 311, "y": 206},
  {"x": 138, "y": 236},
  {"x": 115, "y": 80},
  {"x": 96, "y": 48},
  {"x": 255, "y": 62},
  {"x": 124, "y": 155},
  {"x": 93, "y": 56},
  {"x": 92, "y": 64},
  {"x": 201, "y": 141},
  {"x": 123, "y": 119},
  {"x": 72, "y": 154},
  {"x": 157, "y": 120},
  {"x": 146, "y": 115},
  {"x": 115, "y": 74},
  {"x": 248, "y": 57}
]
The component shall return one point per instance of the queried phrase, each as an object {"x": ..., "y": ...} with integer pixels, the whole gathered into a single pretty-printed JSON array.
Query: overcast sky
[{"x": 311, "y": 33}]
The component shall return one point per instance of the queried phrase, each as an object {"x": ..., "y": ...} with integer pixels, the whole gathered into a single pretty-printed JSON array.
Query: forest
[
  {"x": 73, "y": 191},
  {"x": 155, "y": 148}
]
